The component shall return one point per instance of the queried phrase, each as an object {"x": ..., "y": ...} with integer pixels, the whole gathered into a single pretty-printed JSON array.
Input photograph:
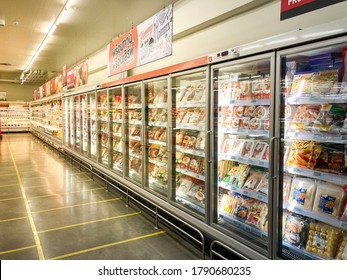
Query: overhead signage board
[
  {"x": 292, "y": 8},
  {"x": 147, "y": 42}
]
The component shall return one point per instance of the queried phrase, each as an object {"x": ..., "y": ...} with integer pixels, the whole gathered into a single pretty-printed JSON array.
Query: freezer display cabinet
[
  {"x": 72, "y": 124},
  {"x": 189, "y": 148},
  {"x": 94, "y": 141},
  {"x": 242, "y": 93},
  {"x": 116, "y": 109},
  {"x": 157, "y": 147},
  {"x": 104, "y": 125},
  {"x": 85, "y": 124},
  {"x": 133, "y": 121},
  {"x": 313, "y": 133},
  {"x": 66, "y": 120}
]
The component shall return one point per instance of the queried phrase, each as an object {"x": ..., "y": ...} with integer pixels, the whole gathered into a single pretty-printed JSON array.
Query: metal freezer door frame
[{"x": 214, "y": 156}]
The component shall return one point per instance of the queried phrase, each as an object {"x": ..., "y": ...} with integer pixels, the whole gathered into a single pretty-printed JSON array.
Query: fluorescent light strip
[
  {"x": 281, "y": 41},
  {"x": 322, "y": 33},
  {"x": 60, "y": 17}
]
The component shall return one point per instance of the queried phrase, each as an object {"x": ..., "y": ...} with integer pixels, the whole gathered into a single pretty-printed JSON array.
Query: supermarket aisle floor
[{"x": 49, "y": 209}]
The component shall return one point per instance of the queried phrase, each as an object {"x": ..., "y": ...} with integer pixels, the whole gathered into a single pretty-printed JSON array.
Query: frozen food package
[
  {"x": 261, "y": 112},
  {"x": 228, "y": 203},
  {"x": 200, "y": 141},
  {"x": 266, "y": 154},
  {"x": 237, "y": 111},
  {"x": 185, "y": 185},
  {"x": 267, "y": 124},
  {"x": 256, "y": 124},
  {"x": 241, "y": 175},
  {"x": 302, "y": 83},
  {"x": 295, "y": 230},
  {"x": 235, "y": 122},
  {"x": 244, "y": 122},
  {"x": 331, "y": 159},
  {"x": 241, "y": 90},
  {"x": 257, "y": 215},
  {"x": 186, "y": 117},
  {"x": 253, "y": 179},
  {"x": 323, "y": 239},
  {"x": 247, "y": 148},
  {"x": 330, "y": 119},
  {"x": 224, "y": 93},
  {"x": 195, "y": 117},
  {"x": 304, "y": 154},
  {"x": 289, "y": 112},
  {"x": 229, "y": 111},
  {"x": 237, "y": 147},
  {"x": 304, "y": 117},
  {"x": 287, "y": 181},
  {"x": 323, "y": 82},
  {"x": 329, "y": 198},
  {"x": 249, "y": 111},
  {"x": 243, "y": 207},
  {"x": 192, "y": 142},
  {"x": 227, "y": 145},
  {"x": 179, "y": 137},
  {"x": 342, "y": 249},
  {"x": 263, "y": 186},
  {"x": 227, "y": 122},
  {"x": 344, "y": 212},
  {"x": 200, "y": 91},
  {"x": 258, "y": 150},
  {"x": 302, "y": 192}
]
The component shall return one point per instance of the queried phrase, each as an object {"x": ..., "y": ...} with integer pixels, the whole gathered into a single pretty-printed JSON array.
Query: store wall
[
  {"x": 17, "y": 91},
  {"x": 201, "y": 28}
]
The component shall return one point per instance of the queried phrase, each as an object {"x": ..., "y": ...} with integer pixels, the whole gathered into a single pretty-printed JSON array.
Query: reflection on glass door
[
  {"x": 189, "y": 123},
  {"x": 103, "y": 119},
  {"x": 93, "y": 126},
  {"x": 134, "y": 131},
  {"x": 116, "y": 107},
  {"x": 78, "y": 123},
  {"x": 72, "y": 122},
  {"x": 313, "y": 148},
  {"x": 157, "y": 177},
  {"x": 242, "y": 92}
]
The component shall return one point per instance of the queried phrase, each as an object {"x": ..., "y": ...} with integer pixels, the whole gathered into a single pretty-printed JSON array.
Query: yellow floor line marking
[
  {"x": 91, "y": 222},
  {"x": 48, "y": 195},
  {"x": 13, "y": 219},
  {"x": 17, "y": 250},
  {"x": 76, "y": 205},
  {"x": 12, "y": 198},
  {"x": 10, "y": 185},
  {"x": 107, "y": 245},
  {"x": 31, "y": 220}
]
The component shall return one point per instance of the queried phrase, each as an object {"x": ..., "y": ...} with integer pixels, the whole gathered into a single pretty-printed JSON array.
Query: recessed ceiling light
[{"x": 15, "y": 22}]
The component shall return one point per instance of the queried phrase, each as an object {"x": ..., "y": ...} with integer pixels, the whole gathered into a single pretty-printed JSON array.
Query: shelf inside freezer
[
  {"x": 244, "y": 160},
  {"x": 316, "y": 98},
  {"x": 245, "y": 102},
  {"x": 244, "y": 131},
  {"x": 308, "y": 213},
  {"x": 329, "y": 177},
  {"x": 190, "y": 104},
  {"x": 225, "y": 217},
  {"x": 249, "y": 193},
  {"x": 160, "y": 105},
  {"x": 134, "y": 106},
  {"x": 191, "y": 151},
  {"x": 160, "y": 124},
  {"x": 190, "y": 127},
  {"x": 195, "y": 205},
  {"x": 318, "y": 137},
  {"x": 190, "y": 173},
  {"x": 293, "y": 252}
]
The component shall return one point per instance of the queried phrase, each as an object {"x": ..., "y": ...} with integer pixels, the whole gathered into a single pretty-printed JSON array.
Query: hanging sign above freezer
[{"x": 292, "y": 8}]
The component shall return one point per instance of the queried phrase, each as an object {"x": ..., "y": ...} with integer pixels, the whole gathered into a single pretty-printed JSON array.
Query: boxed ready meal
[{"x": 302, "y": 192}]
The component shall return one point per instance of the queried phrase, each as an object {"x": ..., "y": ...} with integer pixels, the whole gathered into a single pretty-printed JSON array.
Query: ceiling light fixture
[{"x": 56, "y": 22}]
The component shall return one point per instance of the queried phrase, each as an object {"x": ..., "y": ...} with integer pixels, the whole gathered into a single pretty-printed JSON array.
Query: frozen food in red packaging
[
  {"x": 249, "y": 111},
  {"x": 257, "y": 215},
  {"x": 302, "y": 192},
  {"x": 258, "y": 150},
  {"x": 238, "y": 111},
  {"x": 302, "y": 84},
  {"x": 331, "y": 159},
  {"x": 235, "y": 122},
  {"x": 228, "y": 145},
  {"x": 229, "y": 111},
  {"x": 261, "y": 112},
  {"x": 267, "y": 124},
  {"x": 185, "y": 162},
  {"x": 227, "y": 122},
  {"x": 329, "y": 198},
  {"x": 247, "y": 149},
  {"x": 256, "y": 86},
  {"x": 237, "y": 147},
  {"x": 245, "y": 90},
  {"x": 256, "y": 124},
  {"x": 295, "y": 230},
  {"x": 266, "y": 154},
  {"x": 304, "y": 154}
]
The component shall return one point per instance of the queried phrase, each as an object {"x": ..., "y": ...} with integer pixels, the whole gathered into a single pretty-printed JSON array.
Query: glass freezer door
[
  {"x": 78, "y": 123},
  {"x": 104, "y": 125},
  {"x": 85, "y": 123},
  {"x": 66, "y": 109},
  {"x": 133, "y": 120},
  {"x": 93, "y": 126},
  {"x": 242, "y": 91},
  {"x": 156, "y": 141},
  {"x": 189, "y": 122},
  {"x": 72, "y": 122},
  {"x": 116, "y": 107},
  {"x": 313, "y": 90}
]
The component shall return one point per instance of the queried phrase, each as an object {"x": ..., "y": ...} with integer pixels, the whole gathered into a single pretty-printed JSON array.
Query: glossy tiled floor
[{"x": 49, "y": 209}]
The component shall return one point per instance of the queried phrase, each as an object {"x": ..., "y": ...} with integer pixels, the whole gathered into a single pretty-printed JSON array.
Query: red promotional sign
[
  {"x": 292, "y": 4},
  {"x": 292, "y": 8},
  {"x": 44, "y": 90},
  {"x": 64, "y": 75},
  {"x": 122, "y": 53},
  {"x": 71, "y": 77},
  {"x": 53, "y": 86}
]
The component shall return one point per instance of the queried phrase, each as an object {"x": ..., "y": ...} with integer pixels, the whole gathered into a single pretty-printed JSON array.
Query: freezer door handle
[
  {"x": 209, "y": 136},
  {"x": 274, "y": 141}
]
